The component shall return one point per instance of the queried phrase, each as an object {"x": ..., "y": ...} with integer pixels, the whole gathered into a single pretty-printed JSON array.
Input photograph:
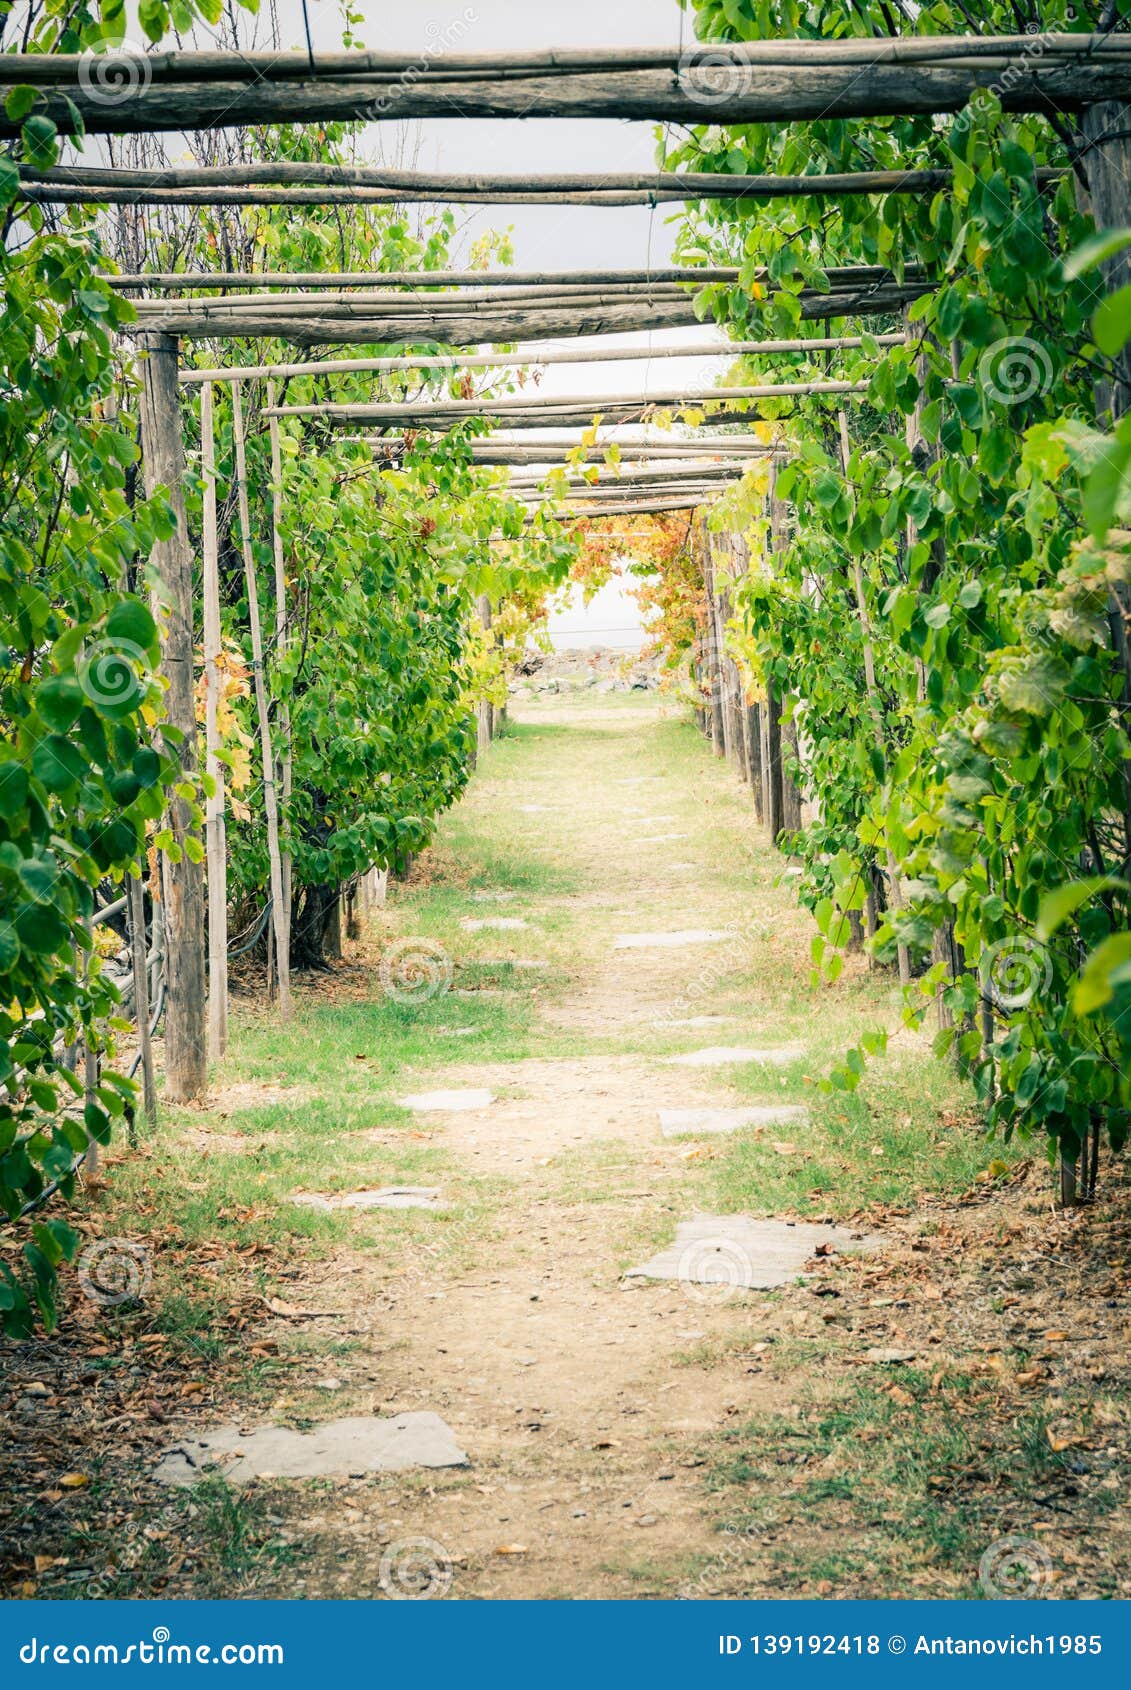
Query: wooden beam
[
  {"x": 495, "y": 325},
  {"x": 173, "y": 67},
  {"x": 282, "y": 634},
  {"x": 259, "y": 677},
  {"x": 456, "y": 364},
  {"x": 185, "y": 281},
  {"x": 214, "y": 822},
  {"x": 312, "y": 184},
  {"x": 456, "y": 410},
  {"x": 782, "y": 82},
  {"x": 370, "y": 303},
  {"x": 163, "y": 471},
  {"x": 432, "y": 331}
]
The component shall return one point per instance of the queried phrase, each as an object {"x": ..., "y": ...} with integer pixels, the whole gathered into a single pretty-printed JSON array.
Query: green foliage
[
  {"x": 79, "y": 780},
  {"x": 991, "y": 538}
]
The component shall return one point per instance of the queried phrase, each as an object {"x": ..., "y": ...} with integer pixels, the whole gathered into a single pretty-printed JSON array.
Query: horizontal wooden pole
[
  {"x": 618, "y": 487},
  {"x": 785, "y": 82},
  {"x": 718, "y": 96},
  {"x": 641, "y": 507},
  {"x": 456, "y": 364},
  {"x": 551, "y": 447},
  {"x": 60, "y": 69},
  {"x": 337, "y": 307},
  {"x": 306, "y": 184},
  {"x": 180, "y": 281},
  {"x": 403, "y": 329},
  {"x": 459, "y": 409},
  {"x": 498, "y": 326}
]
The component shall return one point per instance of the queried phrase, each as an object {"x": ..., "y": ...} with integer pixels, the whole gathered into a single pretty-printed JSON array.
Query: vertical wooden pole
[
  {"x": 1106, "y": 157},
  {"x": 711, "y": 651},
  {"x": 163, "y": 465},
  {"x": 485, "y": 722},
  {"x": 140, "y": 955},
  {"x": 754, "y": 755},
  {"x": 270, "y": 797},
  {"x": 282, "y": 632},
  {"x": 874, "y": 702},
  {"x": 773, "y": 796},
  {"x": 215, "y": 832},
  {"x": 90, "y": 1068}
]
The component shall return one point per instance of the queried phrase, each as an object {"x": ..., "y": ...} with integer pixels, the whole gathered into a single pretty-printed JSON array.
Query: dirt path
[
  {"x": 580, "y": 1398},
  {"x": 874, "y": 1431}
]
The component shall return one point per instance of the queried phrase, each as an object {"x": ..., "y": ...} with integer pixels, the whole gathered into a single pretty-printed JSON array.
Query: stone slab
[
  {"x": 340, "y": 1449},
  {"x": 738, "y": 1253},
  {"x": 493, "y": 924},
  {"x": 389, "y": 1197},
  {"x": 675, "y": 1122},
  {"x": 696, "y": 1021},
  {"x": 667, "y": 941},
  {"x": 716, "y": 1056},
  {"x": 448, "y": 1102}
]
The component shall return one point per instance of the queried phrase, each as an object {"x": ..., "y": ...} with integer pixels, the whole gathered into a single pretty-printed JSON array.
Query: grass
[
  {"x": 857, "y": 1490},
  {"x": 540, "y": 841},
  {"x": 884, "y": 1495}
]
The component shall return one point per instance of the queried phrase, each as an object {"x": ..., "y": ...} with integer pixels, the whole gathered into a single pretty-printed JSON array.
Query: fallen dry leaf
[{"x": 512, "y": 1549}]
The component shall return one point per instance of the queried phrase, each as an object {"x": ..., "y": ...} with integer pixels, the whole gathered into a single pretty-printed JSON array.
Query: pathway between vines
[
  {"x": 585, "y": 1403},
  {"x": 874, "y": 1430}
]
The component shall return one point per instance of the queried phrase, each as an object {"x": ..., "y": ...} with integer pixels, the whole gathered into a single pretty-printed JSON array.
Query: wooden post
[
  {"x": 754, "y": 757},
  {"x": 711, "y": 653},
  {"x": 773, "y": 796},
  {"x": 163, "y": 465},
  {"x": 214, "y": 825},
  {"x": 140, "y": 955},
  {"x": 270, "y": 797},
  {"x": 1106, "y": 130},
  {"x": 484, "y": 718},
  {"x": 791, "y": 792},
  {"x": 896, "y": 891},
  {"x": 282, "y": 629}
]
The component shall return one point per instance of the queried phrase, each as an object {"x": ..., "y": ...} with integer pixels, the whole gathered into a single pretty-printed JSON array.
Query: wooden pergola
[{"x": 1084, "y": 77}]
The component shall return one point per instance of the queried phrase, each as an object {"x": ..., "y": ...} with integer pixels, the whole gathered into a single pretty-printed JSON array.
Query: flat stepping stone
[
  {"x": 715, "y": 1056},
  {"x": 660, "y": 838},
  {"x": 696, "y": 1021},
  {"x": 428, "y": 1102},
  {"x": 340, "y": 1449},
  {"x": 389, "y": 1197},
  {"x": 675, "y": 1122},
  {"x": 736, "y": 1253},
  {"x": 512, "y": 962},
  {"x": 493, "y": 923},
  {"x": 656, "y": 941}
]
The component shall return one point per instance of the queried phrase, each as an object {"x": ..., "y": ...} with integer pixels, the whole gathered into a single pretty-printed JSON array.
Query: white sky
[
  {"x": 553, "y": 236},
  {"x": 610, "y": 619}
]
